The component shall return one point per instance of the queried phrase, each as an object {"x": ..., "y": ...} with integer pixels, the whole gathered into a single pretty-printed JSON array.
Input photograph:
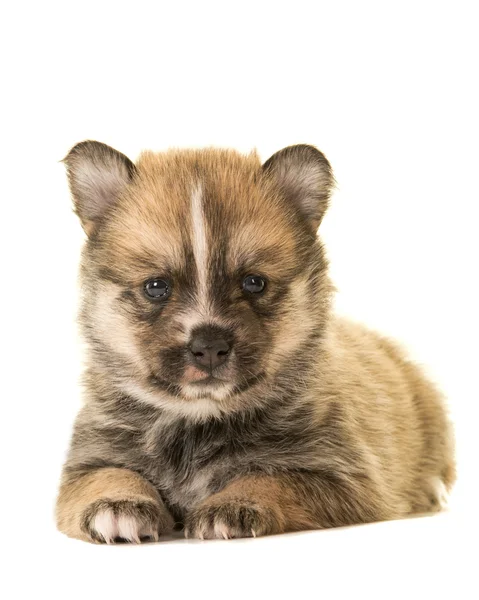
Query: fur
[{"x": 311, "y": 422}]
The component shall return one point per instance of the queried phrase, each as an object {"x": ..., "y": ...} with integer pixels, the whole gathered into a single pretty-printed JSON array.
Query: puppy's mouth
[
  {"x": 205, "y": 381},
  {"x": 208, "y": 382},
  {"x": 195, "y": 376},
  {"x": 217, "y": 378}
]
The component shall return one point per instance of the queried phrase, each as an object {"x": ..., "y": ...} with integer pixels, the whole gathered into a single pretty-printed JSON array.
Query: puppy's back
[{"x": 391, "y": 408}]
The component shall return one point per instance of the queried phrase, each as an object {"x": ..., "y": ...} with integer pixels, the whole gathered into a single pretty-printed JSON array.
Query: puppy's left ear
[
  {"x": 305, "y": 177},
  {"x": 97, "y": 175}
]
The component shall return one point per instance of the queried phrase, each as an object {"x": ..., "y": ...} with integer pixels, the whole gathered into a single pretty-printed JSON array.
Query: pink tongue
[{"x": 194, "y": 374}]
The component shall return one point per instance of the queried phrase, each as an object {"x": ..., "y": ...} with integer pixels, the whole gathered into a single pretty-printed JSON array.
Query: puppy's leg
[
  {"x": 109, "y": 504},
  {"x": 261, "y": 505}
]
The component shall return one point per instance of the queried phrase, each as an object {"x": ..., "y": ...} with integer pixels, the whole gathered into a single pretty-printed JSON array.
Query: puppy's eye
[
  {"x": 254, "y": 284},
  {"x": 156, "y": 289}
]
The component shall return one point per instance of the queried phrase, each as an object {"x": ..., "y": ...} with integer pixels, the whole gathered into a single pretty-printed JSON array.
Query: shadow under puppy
[{"x": 221, "y": 393}]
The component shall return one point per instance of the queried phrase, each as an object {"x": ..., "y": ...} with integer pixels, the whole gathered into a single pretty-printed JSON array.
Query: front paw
[
  {"x": 125, "y": 521},
  {"x": 231, "y": 519}
]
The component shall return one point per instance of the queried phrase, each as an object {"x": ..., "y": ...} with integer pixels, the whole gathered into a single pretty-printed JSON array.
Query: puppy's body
[{"x": 303, "y": 421}]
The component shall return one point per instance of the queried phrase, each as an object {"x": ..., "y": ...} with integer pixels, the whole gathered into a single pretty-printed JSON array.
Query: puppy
[{"x": 222, "y": 394}]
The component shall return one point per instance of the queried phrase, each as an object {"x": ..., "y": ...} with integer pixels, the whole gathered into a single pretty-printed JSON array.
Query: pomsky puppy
[{"x": 221, "y": 393}]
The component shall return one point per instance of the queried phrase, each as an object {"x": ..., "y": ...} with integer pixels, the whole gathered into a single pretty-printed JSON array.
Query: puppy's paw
[
  {"x": 231, "y": 519},
  {"x": 125, "y": 521}
]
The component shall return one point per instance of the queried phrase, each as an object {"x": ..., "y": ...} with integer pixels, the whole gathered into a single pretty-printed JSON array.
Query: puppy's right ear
[{"x": 97, "y": 175}]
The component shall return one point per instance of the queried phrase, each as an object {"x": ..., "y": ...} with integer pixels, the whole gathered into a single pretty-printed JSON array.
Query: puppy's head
[{"x": 204, "y": 282}]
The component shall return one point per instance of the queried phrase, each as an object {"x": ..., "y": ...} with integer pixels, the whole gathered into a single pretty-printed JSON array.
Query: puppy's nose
[{"x": 209, "y": 352}]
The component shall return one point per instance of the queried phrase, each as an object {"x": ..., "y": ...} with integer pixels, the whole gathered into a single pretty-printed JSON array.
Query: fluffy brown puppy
[{"x": 221, "y": 393}]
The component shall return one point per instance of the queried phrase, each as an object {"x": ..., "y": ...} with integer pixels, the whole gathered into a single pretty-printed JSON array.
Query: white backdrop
[{"x": 388, "y": 90}]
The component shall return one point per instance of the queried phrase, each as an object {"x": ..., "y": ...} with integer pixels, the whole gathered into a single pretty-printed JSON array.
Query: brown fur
[
  {"x": 250, "y": 506},
  {"x": 108, "y": 485},
  {"x": 319, "y": 422},
  {"x": 141, "y": 234}
]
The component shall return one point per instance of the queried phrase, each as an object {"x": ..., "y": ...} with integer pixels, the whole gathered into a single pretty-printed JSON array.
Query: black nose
[{"x": 209, "y": 351}]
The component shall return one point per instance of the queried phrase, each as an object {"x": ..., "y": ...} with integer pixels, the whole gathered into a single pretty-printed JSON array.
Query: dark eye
[
  {"x": 156, "y": 289},
  {"x": 254, "y": 284}
]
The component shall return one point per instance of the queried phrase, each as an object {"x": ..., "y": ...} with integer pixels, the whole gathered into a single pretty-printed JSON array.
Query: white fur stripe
[{"x": 199, "y": 243}]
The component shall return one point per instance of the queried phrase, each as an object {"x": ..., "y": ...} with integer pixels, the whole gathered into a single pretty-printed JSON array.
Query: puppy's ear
[
  {"x": 97, "y": 174},
  {"x": 306, "y": 178}
]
